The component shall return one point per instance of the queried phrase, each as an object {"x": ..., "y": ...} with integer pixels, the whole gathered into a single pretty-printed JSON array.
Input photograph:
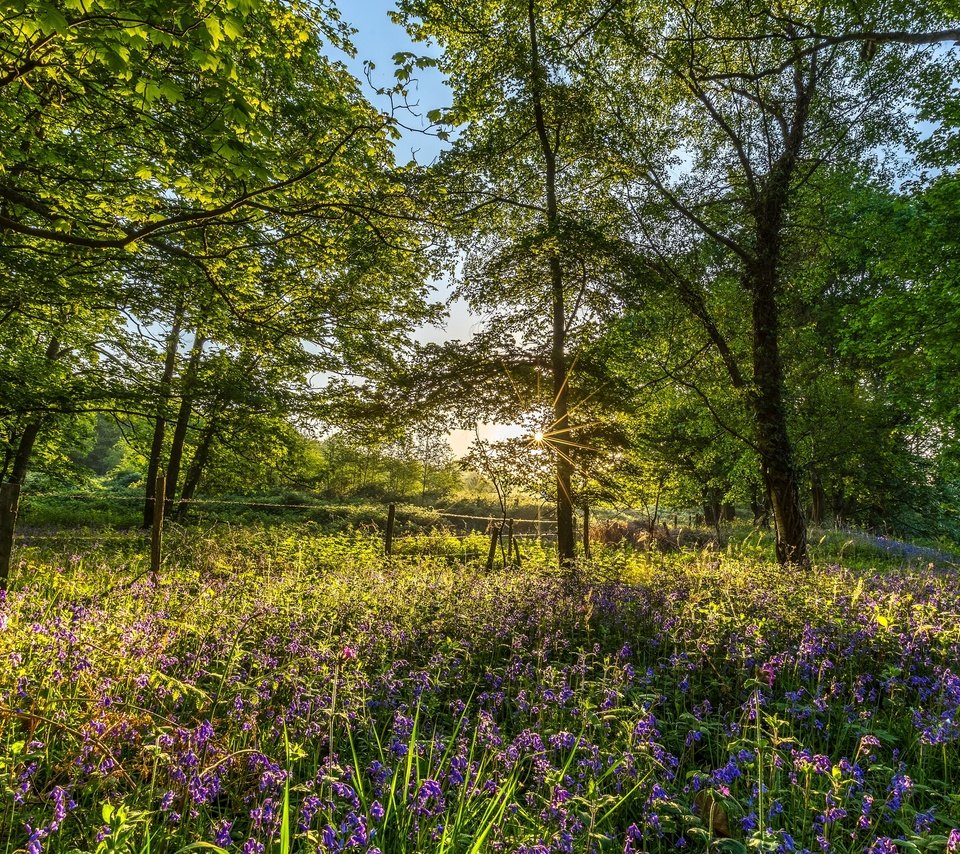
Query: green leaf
[
  {"x": 52, "y": 20},
  {"x": 214, "y": 30},
  {"x": 115, "y": 62},
  {"x": 232, "y": 27},
  {"x": 171, "y": 91}
]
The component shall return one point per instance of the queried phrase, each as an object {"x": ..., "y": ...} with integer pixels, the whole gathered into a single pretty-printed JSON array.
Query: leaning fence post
[
  {"x": 156, "y": 534},
  {"x": 494, "y": 536},
  {"x": 9, "y": 503},
  {"x": 391, "y": 518},
  {"x": 510, "y": 539},
  {"x": 516, "y": 549}
]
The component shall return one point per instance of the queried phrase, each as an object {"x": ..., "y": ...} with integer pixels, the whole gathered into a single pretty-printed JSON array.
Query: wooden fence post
[
  {"x": 9, "y": 504},
  {"x": 156, "y": 534},
  {"x": 494, "y": 536},
  {"x": 516, "y": 549},
  {"x": 510, "y": 540},
  {"x": 586, "y": 530},
  {"x": 391, "y": 519}
]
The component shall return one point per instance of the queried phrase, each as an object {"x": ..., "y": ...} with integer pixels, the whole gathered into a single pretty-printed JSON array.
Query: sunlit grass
[{"x": 293, "y": 692}]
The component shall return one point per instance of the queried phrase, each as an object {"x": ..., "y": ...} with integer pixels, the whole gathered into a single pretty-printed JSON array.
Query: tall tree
[
  {"x": 211, "y": 157},
  {"x": 758, "y": 103},
  {"x": 515, "y": 188}
]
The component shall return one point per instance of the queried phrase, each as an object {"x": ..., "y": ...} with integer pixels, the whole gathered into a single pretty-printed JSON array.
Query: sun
[{"x": 538, "y": 436}]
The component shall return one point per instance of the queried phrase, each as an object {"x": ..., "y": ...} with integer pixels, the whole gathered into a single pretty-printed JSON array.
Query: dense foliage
[
  {"x": 713, "y": 251},
  {"x": 200, "y": 214}
]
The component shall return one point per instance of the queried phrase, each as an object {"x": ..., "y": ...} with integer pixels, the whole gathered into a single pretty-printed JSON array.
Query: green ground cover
[{"x": 280, "y": 689}]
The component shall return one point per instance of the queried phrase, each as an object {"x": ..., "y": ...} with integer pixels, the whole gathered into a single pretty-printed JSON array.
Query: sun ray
[
  {"x": 583, "y": 400},
  {"x": 582, "y": 426},
  {"x": 566, "y": 377},
  {"x": 513, "y": 384},
  {"x": 556, "y": 443},
  {"x": 577, "y": 468}
]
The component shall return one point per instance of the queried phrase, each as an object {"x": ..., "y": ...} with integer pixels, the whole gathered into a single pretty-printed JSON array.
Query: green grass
[
  {"x": 124, "y": 510},
  {"x": 290, "y": 690}
]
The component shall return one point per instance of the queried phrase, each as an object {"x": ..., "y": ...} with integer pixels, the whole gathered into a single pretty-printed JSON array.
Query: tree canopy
[{"x": 713, "y": 249}]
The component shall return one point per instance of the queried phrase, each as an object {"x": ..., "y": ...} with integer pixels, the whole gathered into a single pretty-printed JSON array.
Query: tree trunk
[
  {"x": 560, "y": 430},
  {"x": 10, "y": 492},
  {"x": 28, "y": 438},
  {"x": 773, "y": 440},
  {"x": 763, "y": 283},
  {"x": 818, "y": 499},
  {"x": 843, "y": 508},
  {"x": 9, "y": 503},
  {"x": 201, "y": 456},
  {"x": 175, "y": 459},
  {"x": 760, "y": 508},
  {"x": 160, "y": 425},
  {"x": 711, "y": 513},
  {"x": 561, "y": 426},
  {"x": 21, "y": 461}
]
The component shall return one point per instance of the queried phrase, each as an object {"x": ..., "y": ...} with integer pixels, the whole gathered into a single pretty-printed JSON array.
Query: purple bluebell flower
[{"x": 222, "y": 835}]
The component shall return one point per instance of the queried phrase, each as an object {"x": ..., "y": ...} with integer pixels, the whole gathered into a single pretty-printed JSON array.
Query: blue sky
[{"x": 377, "y": 39}]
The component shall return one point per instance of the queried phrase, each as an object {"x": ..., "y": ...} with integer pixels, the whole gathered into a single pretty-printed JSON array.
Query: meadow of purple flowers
[{"x": 307, "y": 694}]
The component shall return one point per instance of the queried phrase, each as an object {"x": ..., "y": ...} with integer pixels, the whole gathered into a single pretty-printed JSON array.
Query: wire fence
[
  {"x": 476, "y": 535},
  {"x": 241, "y": 502}
]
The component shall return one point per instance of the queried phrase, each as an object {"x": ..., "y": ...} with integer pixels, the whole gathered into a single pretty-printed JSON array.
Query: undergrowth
[{"x": 277, "y": 690}]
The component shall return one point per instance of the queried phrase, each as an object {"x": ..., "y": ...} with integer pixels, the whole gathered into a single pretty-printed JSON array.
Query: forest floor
[
  {"x": 277, "y": 690},
  {"x": 904, "y": 549}
]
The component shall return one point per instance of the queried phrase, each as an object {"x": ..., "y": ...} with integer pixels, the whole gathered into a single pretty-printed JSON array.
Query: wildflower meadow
[{"x": 275, "y": 691}]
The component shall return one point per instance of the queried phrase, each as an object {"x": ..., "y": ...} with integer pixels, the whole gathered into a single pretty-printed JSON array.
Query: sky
[{"x": 377, "y": 39}]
